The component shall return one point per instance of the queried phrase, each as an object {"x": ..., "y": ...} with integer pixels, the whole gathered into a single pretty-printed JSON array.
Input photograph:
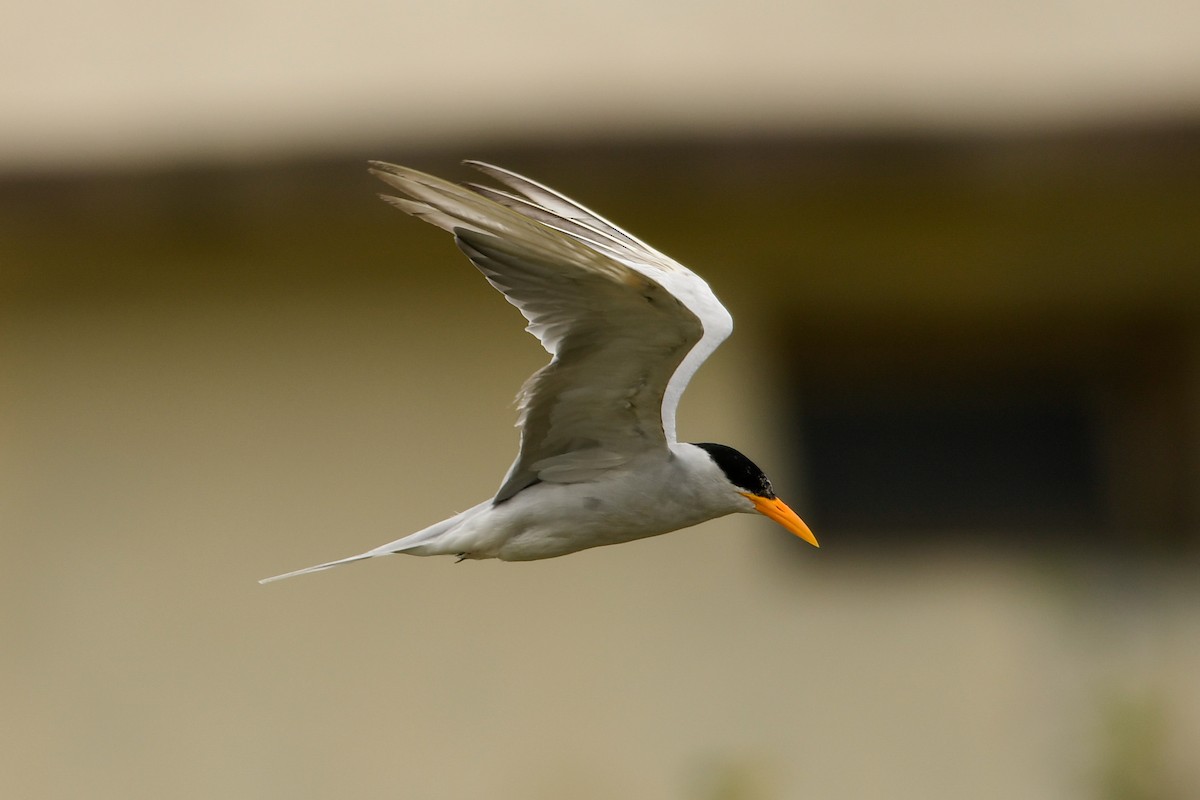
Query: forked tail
[
  {"x": 320, "y": 567},
  {"x": 406, "y": 544}
]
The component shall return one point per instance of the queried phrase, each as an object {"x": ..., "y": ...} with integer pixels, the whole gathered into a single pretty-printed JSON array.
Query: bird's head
[{"x": 750, "y": 482}]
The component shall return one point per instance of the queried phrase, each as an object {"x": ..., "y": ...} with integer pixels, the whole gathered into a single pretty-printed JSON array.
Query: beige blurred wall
[
  {"x": 126, "y": 82},
  {"x": 217, "y": 376}
]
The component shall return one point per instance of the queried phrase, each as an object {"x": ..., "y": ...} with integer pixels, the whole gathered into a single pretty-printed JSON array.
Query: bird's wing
[{"x": 626, "y": 327}]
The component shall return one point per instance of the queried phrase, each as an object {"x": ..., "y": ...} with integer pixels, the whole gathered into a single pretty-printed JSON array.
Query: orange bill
[{"x": 776, "y": 510}]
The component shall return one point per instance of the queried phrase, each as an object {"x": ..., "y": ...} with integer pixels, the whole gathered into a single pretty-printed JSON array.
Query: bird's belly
[{"x": 564, "y": 518}]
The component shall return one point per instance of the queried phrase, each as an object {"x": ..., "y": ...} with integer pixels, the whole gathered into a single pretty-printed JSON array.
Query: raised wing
[{"x": 625, "y": 326}]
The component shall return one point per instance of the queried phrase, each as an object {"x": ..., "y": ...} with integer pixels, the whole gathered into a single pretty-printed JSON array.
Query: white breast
[{"x": 651, "y": 497}]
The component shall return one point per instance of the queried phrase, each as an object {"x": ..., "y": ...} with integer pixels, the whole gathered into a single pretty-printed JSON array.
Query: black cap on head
[{"x": 741, "y": 471}]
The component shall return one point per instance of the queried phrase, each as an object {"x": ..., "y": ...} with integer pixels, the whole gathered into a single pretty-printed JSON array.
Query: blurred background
[{"x": 962, "y": 246}]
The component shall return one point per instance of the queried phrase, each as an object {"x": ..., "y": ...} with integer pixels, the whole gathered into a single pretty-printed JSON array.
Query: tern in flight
[{"x": 626, "y": 327}]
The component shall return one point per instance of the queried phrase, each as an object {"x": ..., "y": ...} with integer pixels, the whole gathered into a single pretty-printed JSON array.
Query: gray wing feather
[
  {"x": 615, "y": 334},
  {"x": 599, "y": 400}
]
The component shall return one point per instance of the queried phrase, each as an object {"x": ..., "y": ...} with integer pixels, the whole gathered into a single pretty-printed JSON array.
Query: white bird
[{"x": 626, "y": 328}]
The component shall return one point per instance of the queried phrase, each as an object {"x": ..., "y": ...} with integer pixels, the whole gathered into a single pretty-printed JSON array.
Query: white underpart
[{"x": 554, "y": 519}]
